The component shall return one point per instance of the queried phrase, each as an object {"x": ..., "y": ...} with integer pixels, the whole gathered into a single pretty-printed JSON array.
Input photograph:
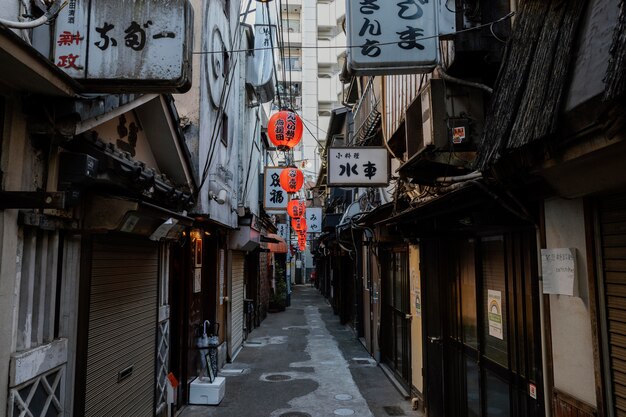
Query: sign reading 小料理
[
  {"x": 392, "y": 36},
  {"x": 358, "y": 166},
  {"x": 558, "y": 267},
  {"x": 274, "y": 198},
  {"x": 314, "y": 219},
  {"x": 139, "y": 45},
  {"x": 494, "y": 313}
]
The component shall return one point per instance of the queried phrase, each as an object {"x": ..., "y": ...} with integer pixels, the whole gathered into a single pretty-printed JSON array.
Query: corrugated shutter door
[
  {"x": 613, "y": 229},
  {"x": 122, "y": 329},
  {"x": 237, "y": 307}
]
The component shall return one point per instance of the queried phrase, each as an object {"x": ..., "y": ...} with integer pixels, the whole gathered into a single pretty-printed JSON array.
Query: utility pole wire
[{"x": 489, "y": 24}]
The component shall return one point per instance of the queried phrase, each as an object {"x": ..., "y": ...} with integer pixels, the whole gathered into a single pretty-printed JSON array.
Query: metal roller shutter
[
  {"x": 122, "y": 329},
  {"x": 613, "y": 230},
  {"x": 237, "y": 307}
]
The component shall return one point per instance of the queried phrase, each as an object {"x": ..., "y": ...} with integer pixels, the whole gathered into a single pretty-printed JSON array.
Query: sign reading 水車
[
  {"x": 274, "y": 197},
  {"x": 358, "y": 166},
  {"x": 143, "y": 46},
  {"x": 392, "y": 36},
  {"x": 314, "y": 219}
]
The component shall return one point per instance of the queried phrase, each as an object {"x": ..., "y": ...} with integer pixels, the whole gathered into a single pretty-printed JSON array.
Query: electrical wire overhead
[{"x": 443, "y": 35}]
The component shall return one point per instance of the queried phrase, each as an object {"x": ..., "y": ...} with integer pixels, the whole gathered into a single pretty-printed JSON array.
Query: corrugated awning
[{"x": 275, "y": 243}]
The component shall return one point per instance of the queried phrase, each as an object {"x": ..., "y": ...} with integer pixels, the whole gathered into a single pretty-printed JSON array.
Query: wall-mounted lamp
[{"x": 220, "y": 198}]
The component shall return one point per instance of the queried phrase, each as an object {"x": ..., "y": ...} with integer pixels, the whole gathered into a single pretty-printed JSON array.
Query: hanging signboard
[
  {"x": 558, "y": 267},
  {"x": 358, "y": 166},
  {"x": 392, "y": 36},
  {"x": 274, "y": 197},
  {"x": 283, "y": 230},
  {"x": 314, "y": 219},
  {"x": 140, "y": 46}
]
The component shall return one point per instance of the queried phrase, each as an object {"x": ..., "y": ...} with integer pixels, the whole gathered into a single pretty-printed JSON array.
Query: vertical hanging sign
[
  {"x": 274, "y": 197},
  {"x": 283, "y": 230},
  {"x": 392, "y": 36},
  {"x": 314, "y": 219}
]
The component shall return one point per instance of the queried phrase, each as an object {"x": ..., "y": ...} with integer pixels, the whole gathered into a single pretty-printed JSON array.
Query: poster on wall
[
  {"x": 558, "y": 267},
  {"x": 494, "y": 313}
]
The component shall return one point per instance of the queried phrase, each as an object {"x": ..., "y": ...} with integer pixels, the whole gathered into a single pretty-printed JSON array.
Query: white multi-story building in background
[{"x": 313, "y": 57}]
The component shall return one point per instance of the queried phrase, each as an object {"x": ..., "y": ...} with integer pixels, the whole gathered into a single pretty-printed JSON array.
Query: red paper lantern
[
  {"x": 302, "y": 247},
  {"x": 299, "y": 224},
  {"x": 291, "y": 179},
  {"x": 285, "y": 129},
  {"x": 296, "y": 208}
]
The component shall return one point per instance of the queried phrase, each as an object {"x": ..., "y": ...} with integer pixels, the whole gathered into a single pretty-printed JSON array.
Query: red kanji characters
[
  {"x": 68, "y": 61},
  {"x": 67, "y": 38}
]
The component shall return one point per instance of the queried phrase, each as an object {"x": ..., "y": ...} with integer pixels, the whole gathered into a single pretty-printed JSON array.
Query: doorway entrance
[
  {"x": 482, "y": 327},
  {"x": 396, "y": 314}
]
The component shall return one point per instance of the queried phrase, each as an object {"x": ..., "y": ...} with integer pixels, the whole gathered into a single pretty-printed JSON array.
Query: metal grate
[
  {"x": 162, "y": 365},
  {"x": 39, "y": 397},
  {"x": 278, "y": 377},
  {"x": 394, "y": 410}
]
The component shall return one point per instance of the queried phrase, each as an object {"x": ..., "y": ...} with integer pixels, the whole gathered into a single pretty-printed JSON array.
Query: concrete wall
[{"x": 570, "y": 322}]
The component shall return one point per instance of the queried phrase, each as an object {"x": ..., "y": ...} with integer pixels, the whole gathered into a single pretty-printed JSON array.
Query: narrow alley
[{"x": 302, "y": 362}]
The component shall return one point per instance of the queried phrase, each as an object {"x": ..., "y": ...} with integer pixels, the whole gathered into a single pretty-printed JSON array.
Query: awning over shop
[
  {"x": 473, "y": 207},
  {"x": 275, "y": 243},
  {"x": 379, "y": 213}
]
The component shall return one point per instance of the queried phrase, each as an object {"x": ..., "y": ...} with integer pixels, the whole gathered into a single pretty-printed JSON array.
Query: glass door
[
  {"x": 396, "y": 315},
  {"x": 492, "y": 366}
]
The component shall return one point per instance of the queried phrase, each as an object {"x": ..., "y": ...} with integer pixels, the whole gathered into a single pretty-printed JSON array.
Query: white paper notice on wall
[{"x": 558, "y": 267}]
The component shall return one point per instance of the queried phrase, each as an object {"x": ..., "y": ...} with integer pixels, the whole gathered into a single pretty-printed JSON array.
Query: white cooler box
[{"x": 203, "y": 392}]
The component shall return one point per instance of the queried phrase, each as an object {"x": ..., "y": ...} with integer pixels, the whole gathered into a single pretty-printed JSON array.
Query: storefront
[{"x": 479, "y": 307}]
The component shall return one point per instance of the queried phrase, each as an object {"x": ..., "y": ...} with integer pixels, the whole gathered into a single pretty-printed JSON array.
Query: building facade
[{"x": 504, "y": 163}]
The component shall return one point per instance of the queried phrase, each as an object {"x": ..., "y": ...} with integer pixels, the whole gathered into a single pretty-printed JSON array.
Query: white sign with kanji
[
  {"x": 358, "y": 166},
  {"x": 283, "y": 230},
  {"x": 275, "y": 197},
  {"x": 125, "y": 42},
  {"x": 558, "y": 268},
  {"x": 314, "y": 219},
  {"x": 392, "y": 36}
]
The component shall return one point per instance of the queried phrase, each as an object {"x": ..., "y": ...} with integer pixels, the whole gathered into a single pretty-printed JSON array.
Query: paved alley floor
[{"x": 300, "y": 363}]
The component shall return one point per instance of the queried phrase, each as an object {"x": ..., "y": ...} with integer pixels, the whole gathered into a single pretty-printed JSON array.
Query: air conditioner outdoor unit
[{"x": 444, "y": 117}]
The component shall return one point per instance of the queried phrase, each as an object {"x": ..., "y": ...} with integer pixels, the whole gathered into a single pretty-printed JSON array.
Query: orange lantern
[
  {"x": 296, "y": 208},
  {"x": 285, "y": 129},
  {"x": 299, "y": 224},
  {"x": 302, "y": 246},
  {"x": 291, "y": 179}
]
